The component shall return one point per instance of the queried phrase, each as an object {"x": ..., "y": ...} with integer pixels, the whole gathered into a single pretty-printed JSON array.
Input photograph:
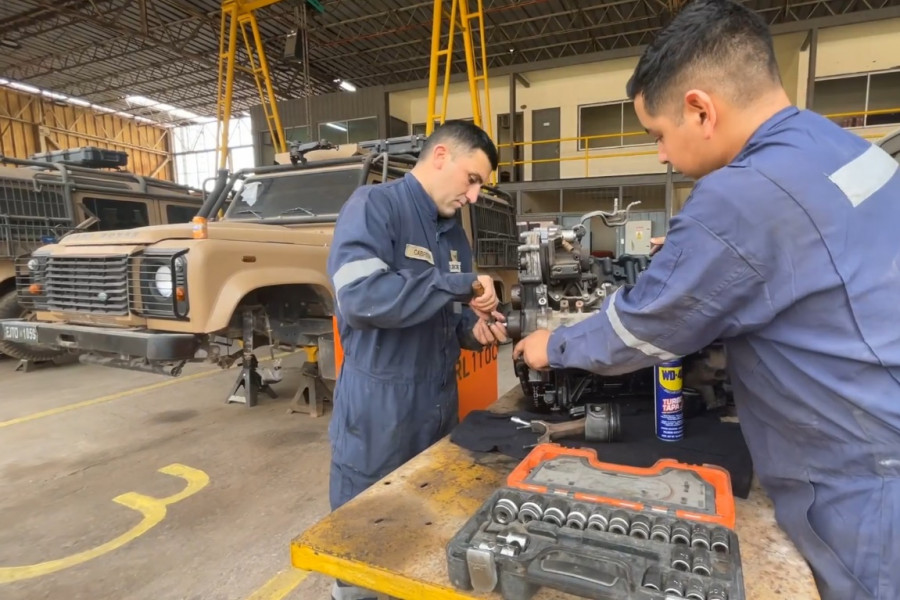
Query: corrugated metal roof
[{"x": 105, "y": 50}]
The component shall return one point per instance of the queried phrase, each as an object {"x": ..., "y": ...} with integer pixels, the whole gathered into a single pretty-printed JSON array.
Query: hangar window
[
  {"x": 610, "y": 125},
  {"x": 349, "y": 131},
  {"x": 859, "y": 100}
]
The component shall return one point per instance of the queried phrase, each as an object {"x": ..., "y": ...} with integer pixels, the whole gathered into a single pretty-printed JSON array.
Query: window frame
[{"x": 865, "y": 116}]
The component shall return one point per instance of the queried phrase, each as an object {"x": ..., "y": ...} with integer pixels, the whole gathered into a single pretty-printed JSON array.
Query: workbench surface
[{"x": 392, "y": 537}]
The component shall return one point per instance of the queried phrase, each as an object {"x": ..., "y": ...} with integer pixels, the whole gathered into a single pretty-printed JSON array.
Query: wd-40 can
[{"x": 669, "y": 401}]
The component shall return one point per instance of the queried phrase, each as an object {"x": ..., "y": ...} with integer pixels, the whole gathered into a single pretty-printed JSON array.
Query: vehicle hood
[{"x": 311, "y": 234}]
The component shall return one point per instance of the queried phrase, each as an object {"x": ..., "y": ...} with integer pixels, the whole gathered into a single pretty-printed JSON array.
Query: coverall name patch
[{"x": 419, "y": 253}]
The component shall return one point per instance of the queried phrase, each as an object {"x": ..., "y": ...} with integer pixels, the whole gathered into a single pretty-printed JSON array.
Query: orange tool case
[{"x": 602, "y": 531}]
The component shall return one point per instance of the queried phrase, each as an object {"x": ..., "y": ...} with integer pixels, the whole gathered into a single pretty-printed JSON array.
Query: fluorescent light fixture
[
  {"x": 105, "y": 109},
  {"x": 142, "y": 100},
  {"x": 204, "y": 120},
  {"x": 336, "y": 126},
  {"x": 77, "y": 102},
  {"x": 54, "y": 95},
  {"x": 145, "y": 120},
  {"x": 183, "y": 114},
  {"x": 124, "y": 114},
  {"x": 346, "y": 85},
  {"x": 24, "y": 87},
  {"x": 4, "y": 81}
]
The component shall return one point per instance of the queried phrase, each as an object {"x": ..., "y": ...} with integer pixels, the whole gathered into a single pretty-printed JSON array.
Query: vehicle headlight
[
  {"x": 163, "y": 281},
  {"x": 34, "y": 264}
]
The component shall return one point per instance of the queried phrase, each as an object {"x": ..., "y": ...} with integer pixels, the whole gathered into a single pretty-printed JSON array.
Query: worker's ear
[
  {"x": 440, "y": 155},
  {"x": 700, "y": 110}
]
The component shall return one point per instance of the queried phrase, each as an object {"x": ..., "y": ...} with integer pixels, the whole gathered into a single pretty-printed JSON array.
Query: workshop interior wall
[
  {"x": 859, "y": 48},
  {"x": 841, "y": 50},
  {"x": 31, "y": 124}
]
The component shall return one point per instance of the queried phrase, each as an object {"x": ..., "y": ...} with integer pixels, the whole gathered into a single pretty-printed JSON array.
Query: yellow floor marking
[
  {"x": 153, "y": 509},
  {"x": 102, "y": 399},
  {"x": 280, "y": 586},
  {"x": 116, "y": 396}
]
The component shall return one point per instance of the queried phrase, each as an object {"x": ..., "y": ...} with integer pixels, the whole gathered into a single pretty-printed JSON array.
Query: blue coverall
[
  {"x": 402, "y": 275},
  {"x": 791, "y": 256}
]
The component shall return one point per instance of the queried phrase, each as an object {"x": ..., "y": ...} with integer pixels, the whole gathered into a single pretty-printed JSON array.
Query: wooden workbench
[{"x": 392, "y": 537}]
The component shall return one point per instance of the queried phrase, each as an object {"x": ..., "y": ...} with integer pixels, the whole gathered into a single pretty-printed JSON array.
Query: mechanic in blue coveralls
[
  {"x": 787, "y": 251},
  {"x": 401, "y": 267}
]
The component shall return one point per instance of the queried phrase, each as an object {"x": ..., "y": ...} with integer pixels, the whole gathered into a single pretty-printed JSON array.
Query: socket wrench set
[{"x": 602, "y": 531}]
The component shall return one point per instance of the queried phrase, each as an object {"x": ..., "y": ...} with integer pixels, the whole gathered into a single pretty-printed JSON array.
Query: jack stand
[
  {"x": 306, "y": 399},
  {"x": 27, "y": 365},
  {"x": 249, "y": 378}
]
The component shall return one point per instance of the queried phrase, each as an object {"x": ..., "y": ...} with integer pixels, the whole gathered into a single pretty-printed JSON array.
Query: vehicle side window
[
  {"x": 117, "y": 214},
  {"x": 180, "y": 214}
]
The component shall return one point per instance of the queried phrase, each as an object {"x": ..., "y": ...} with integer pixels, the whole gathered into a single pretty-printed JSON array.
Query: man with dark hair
[
  {"x": 401, "y": 267},
  {"x": 787, "y": 251}
]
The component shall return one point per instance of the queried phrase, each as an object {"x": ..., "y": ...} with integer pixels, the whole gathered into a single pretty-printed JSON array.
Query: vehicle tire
[{"x": 10, "y": 309}]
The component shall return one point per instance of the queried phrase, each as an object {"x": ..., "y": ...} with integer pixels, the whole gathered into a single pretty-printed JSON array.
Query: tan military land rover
[
  {"x": 42, "y": 201},
  {"x": 249, "y": 272}
]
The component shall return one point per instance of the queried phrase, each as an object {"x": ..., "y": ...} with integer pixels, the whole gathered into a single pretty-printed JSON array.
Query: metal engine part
[{"x": 561, "y": 284}]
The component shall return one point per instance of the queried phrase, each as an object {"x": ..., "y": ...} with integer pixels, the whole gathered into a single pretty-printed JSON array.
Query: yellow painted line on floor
[
  {"x": 108, "y": 398},
  {"x": 116, "y": 396},
  {"x": 280, "y": 586},
  {"x": 153, "y": 510}
]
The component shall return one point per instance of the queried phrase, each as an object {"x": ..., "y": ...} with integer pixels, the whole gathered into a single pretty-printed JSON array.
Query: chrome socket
[
  {"x": 531, "y": 510},
  {"x": 661, "y": 531},
  {"x": 681, "y": 533},
  {"x": 619, "y": 522},
  {"x": 555, "y": 513},
  {"x": 719, "y": 541},
  {"x": 701, "y": 564},
  {"x": 700, "y": 537},
  {"x": 598, "y": 521},
  {"x": 695, "y": 589},
  {"x": 717, "y": 591},
  {"x": 673, "y": 585},
  {"x": 681, "y": 559},
  {"x": 640, "y": 527},
  {"x": 652, "y": 579},
  {"x": 505, "y": 511},
  {"x": 578, "y": 517}
]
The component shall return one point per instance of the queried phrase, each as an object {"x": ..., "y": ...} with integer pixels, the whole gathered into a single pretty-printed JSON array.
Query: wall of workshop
[
  {"x": 858, "y": 48},
  {"x": 592, "y": 83},
  {"x": 32, "y": 124},
  {"x": 841, "y": 50}
]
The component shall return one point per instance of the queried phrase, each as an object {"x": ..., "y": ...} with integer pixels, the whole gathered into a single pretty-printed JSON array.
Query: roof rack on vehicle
[
  {"x": 298, "y": 150},
  {"x": 408, "y": 144}
]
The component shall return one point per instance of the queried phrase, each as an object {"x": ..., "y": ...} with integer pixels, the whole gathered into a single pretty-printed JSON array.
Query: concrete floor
[{"x": 74, "y": 437}]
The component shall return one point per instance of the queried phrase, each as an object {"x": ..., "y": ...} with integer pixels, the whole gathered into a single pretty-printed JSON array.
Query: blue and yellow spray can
[{"x": 669, "y": 410}]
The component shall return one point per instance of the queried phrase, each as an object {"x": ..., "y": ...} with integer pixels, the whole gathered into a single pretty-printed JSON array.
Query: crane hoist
[
  {"x": 469, "y": 20},
  {"x": 240, "y": 15},
  {"x": 456, "y": 14}
]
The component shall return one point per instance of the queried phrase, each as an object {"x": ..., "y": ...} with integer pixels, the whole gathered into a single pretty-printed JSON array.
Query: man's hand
[
  {"x": 656, "y": 243},
  {"x": 490, "y": 332},
  {"x": 485, "y": 304},
  {"x": 533, "y": 350}
]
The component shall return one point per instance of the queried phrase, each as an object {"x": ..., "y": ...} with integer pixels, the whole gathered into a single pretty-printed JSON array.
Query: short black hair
[
  {"x": 464, "y": 135},
  {"x": 708, "y": 36}
]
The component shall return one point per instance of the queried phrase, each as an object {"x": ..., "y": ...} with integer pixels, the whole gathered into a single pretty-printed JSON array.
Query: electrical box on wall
[{"x": 637, "y": 237}]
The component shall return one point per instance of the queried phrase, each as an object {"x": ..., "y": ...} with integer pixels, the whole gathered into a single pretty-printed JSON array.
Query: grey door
[{"x": 545, "y": 126}]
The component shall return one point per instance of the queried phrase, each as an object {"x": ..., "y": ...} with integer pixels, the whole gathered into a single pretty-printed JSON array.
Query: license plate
[{"x": 20, "y": 333}]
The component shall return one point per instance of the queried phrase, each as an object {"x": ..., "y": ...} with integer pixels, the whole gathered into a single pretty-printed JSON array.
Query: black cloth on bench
[{"x": 707, "y": 440}]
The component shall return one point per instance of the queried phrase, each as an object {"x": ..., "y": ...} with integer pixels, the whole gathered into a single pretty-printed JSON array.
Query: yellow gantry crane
[
  {"x": 469, "y": 21},
  {"x": 458, "y": 15},
  {"x": 240, "y": 15}
]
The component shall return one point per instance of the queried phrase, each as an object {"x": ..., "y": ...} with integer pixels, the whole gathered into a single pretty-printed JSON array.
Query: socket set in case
[{"x": 602, "y": 531}]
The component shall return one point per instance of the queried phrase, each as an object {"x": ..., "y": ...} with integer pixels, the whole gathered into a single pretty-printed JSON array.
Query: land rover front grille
[{"x": 87, "y": 284}]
